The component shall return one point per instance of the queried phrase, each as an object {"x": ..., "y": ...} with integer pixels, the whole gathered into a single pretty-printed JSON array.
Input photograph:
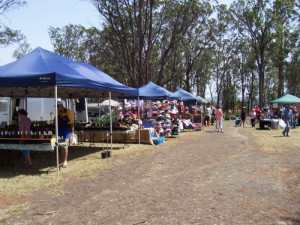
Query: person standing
[
  {"x": 24, "y": 128},
  {"x": 243, "y": 116},
  {"x": 257, "y": 112},
  {"x": 287, "y": 116},
  {"x": 65, "y": 130},
  {"x": 219, "y": 119},
  {"x": 252, "y": 117},
  {"x": 208, "y": 116}
]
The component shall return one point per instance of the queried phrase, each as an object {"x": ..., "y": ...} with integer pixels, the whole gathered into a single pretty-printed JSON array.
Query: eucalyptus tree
[
  {"x": 75, "y": 41},
  {"x": 24, "y": 48},
  {"x": 283, "y": 38},
  {"x": 146, "y": 34},
  {"x": 221, "y": 53},
  {"x": 197, "y": 41},
  {"x": 251, "y": 80},
  {"x": 256, "y": 22},
  {"x": 293, "y": 72},
  {"x": 9, "y": 36},
  {"x": 203, "y": 72}
]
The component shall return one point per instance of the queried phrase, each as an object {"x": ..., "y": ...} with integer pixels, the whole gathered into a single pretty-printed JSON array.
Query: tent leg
[{"x": 56, "y": 132}]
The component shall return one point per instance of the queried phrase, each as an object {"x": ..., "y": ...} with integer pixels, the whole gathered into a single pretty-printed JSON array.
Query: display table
[
  {"x": 32, "y": 144},
  {"x": 265, "y": 122},
  {"x": 118, "y": 136},
  {"x": 93, "y": 136}
]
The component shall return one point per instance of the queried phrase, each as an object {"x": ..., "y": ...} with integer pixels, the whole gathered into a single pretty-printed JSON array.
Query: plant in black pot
[{"x": 105, "y": 154}]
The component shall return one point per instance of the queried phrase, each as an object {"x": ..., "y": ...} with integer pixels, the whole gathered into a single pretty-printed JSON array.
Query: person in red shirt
[{"x": 257, "y": 112}]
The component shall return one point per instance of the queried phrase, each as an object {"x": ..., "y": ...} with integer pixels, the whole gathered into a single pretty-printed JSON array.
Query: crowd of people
[{"x": 287, "y": 113}]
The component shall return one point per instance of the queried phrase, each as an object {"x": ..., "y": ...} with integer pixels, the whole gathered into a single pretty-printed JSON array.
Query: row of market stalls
[{"x": 42, "y": 73}]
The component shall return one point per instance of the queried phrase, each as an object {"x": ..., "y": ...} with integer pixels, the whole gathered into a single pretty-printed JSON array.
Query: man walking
[{"x": 287, "y": 115}]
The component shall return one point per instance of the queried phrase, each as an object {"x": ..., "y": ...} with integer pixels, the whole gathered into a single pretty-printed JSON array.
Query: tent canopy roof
[
  {"x": 36, "y": 74},
  {"x": 286, "y": 99},
  {"x": 153, "y": 91},
  {"x": 186, "y": 96}
]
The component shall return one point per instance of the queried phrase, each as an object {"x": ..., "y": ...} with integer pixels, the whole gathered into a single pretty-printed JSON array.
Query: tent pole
[
  {"x": 56, "y": 132},
  {"x": 86, "y": 110},
  {"x": 110, "y": 122},
  {"x": 139, "y": 120}
]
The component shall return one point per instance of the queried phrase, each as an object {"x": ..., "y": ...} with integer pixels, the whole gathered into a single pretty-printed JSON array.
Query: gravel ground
[{"x": 206, "y": 178}]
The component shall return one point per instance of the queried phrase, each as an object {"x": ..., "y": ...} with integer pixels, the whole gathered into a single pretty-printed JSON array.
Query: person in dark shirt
[
  {"x": 65, "y": 130},
  {"x": 287, "y": 116},
  {"x": 243, "y": 116}
]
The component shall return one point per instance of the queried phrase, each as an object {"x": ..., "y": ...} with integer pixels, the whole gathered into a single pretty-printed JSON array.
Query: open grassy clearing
[{"x": 272, "y": 141}]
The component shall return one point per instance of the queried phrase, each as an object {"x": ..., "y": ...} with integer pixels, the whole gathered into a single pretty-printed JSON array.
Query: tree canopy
[{"x": 246, "y": 53}]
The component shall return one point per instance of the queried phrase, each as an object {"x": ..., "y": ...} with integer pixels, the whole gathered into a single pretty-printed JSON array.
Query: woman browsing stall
[{"x": 24, "y": 128}]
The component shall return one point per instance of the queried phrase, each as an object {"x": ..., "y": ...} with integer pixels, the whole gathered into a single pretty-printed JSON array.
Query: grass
[
  {"x": 84, "y": 161},
  {"x": 16, "y": 183},
  {"x": 5, "y": 213},
  {"x": 272, "y": 141}
]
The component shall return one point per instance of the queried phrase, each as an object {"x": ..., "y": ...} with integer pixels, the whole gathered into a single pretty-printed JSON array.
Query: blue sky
[{"x": 34, "y": 20}]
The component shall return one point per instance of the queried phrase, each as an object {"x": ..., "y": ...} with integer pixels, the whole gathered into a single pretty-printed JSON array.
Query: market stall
[
  {"x": 287, "y": 99},
  {"x": 160, "y": 111},
  {"x": 186, "y": 98},
  {"x": 42, "y": 73}
]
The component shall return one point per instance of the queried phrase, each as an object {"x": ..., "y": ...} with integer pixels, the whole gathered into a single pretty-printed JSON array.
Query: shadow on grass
[
  {"x": 11, "y": 161},
  {"x": 259, "y": 129}
]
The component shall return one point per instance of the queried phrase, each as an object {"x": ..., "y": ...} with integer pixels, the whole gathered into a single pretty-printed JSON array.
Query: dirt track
[{"x": 209, "y": 178}]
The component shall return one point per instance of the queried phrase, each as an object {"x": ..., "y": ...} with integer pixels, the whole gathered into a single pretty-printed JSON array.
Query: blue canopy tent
[
  {"x": 42, "y": 73},
  {"x": 114, "y": 86},
  {"x": 35, "y": 75},
  {"x": 186, "y": 97},
  {"x": 152, "y": 91}
]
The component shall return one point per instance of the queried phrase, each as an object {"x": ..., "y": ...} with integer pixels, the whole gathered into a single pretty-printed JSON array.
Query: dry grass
[
  {"x": 84, "y": 161},
  {"x": 17, "y": 182},
  {"x": 272, "y": 141},
  {"x": 5, "y": 213}
]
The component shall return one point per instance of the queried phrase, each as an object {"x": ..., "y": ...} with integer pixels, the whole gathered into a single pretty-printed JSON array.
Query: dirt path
[{"x": 209, "y": 178}]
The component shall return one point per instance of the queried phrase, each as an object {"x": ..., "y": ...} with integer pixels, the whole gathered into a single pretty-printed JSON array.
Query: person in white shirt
[
  {"x": 252, "y": 117},
  {"x": 208, "y": 116}
]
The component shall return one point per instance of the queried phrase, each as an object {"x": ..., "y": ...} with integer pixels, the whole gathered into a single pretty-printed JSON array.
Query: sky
[{"x": 34, "y": 20}]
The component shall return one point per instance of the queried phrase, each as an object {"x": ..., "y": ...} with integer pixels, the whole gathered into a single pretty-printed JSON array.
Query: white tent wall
[
  {"x": 41, "y": 108},
  {"x": 37, "y": 108},
  {"x": 4, "y": 110}
]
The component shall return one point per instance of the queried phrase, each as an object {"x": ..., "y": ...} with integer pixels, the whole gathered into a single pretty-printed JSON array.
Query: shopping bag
[
  {"x": 282, "y": 123},
  {"x": 73, "y": 140}
]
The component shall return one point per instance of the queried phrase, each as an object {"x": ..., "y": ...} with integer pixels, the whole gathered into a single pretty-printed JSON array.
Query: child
[{"x": 252, "y": 117}]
